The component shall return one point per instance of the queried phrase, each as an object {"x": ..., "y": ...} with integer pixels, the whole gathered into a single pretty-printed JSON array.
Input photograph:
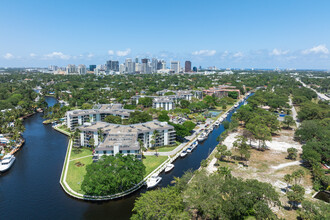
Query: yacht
[
  {"x": 217, "y": 123},
  {"x": 6, "y": 162},
  {"x": 153, "y": 181},
  {"x": 236, "y": 105},
  {"x": 201, "y": 137},
  {"x": 183, "y": 153},
  {"x": 169, "y": 167},
  {"x": 189, "y": 149},
  {"x": 194, "y": 145}
]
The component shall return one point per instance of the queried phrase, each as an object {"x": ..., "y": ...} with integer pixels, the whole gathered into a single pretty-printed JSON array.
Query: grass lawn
[
  {"x": 64, "y": 128},
  {"x": 163, "y": 149},
  {"x": 80, "y": 152},
  {"x": 152, "y": 162},
  {"x": 76, "y": 174}
]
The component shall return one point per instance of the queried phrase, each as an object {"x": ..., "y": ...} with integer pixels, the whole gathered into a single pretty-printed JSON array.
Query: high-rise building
[
  {"x": 81, "y": 69},
  {"x": 122, "y": 68},
  {"x": 71, "y": 69},
  {"x": 187, "y": 66},
  {"x": 154, "y": 63},
  {"x": 195, "y": 69},
  {"x": 136, "y": 60},
  {"x": 92, "y": 67},
  {"x": 112, "y": 65},
  {"x": 138, "y": 67},
  {"x": 129, "y": 66},
  {"x": 145, "y": 66},
  {"x": 175, "y": 66},
  {"x": 163, "y": 64}
]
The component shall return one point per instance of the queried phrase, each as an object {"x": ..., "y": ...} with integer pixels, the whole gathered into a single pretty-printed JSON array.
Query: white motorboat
[
  {"x": 169, "y": 167},
  {"x": 201, "y": 137},
  {"x": 6, "y": 162},
  {"x": 236, "y": 105},
  {"x": 153, "y": 181},
  {"x": 217, "y": 123},
  {"x": 194, "y": 145},
  {"x": 183, "y": 153},
  {"x": 189, "y": 149}
]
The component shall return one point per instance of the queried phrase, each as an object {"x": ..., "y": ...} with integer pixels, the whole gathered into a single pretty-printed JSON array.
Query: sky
[{"x": 225, "y": 34}]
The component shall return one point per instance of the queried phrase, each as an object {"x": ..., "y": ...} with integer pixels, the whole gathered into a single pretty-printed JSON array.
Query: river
[{"x": 31, "y": 189}]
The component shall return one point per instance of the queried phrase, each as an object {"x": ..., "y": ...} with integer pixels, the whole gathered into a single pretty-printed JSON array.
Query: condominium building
[
  {"x": 110, "y": 139},
  {"x": 221, "y": 91},
  {"x": 82, "y": 69},
  {"x": 175, "y": 66},
  {"x": 76, "y": 118},
  {"x": 165, "y": 103}
]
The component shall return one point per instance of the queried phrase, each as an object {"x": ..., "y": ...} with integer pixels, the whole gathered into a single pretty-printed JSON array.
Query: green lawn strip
[
  {"x": 163, "y": 149},
  {"x": 76, "y": 174},
  {"x": 80, "y": 152},
  {"x": 152, "y": 162}
]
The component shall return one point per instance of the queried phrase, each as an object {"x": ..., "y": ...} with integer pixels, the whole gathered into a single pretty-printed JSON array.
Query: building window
[{"x": 104, "y": 152}]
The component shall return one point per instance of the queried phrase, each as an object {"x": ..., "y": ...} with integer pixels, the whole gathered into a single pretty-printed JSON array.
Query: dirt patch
[{"x": 79, "y": 164}]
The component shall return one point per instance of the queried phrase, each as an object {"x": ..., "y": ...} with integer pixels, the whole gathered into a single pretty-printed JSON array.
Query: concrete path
[
  {"x": 280, "y": 166},
  {"x": 294, "y": 112},
  {"x": 81, "y": 157}
]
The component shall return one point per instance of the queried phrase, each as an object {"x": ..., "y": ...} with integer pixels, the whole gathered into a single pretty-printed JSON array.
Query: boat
[
  {"x": 153, "y": 181},
  {"x": 169, "y": 167},
  {"x": 189, "y": 149},
  {"x": 217, "y": 123},
  {"x": 201, "y": 137},
  {"x": 236, "y": 105},
  {"x": 6, "y": 162},
  {"x": 183, "y": 153},
  {"x": 194, "y": 145}
]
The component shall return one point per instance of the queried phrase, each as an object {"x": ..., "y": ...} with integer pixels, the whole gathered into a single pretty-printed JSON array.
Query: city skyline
[{"x": 236, "y": 34}]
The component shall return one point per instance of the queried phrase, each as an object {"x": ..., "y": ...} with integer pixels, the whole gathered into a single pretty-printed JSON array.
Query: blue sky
[{"x": 240, "y": 34}]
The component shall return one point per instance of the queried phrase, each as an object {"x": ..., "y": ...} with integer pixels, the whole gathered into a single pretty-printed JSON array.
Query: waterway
[{"x": 31, "y": 189}]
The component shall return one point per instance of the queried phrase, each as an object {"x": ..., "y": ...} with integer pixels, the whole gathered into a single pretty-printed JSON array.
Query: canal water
[{"x": 31, "y": 189}]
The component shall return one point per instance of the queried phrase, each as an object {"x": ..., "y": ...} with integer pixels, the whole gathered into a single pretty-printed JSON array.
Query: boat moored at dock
[
  {"x": 6, "y": 162},
  {"x": 169, "y": 167},
  {"x": 153, "y": 181}
]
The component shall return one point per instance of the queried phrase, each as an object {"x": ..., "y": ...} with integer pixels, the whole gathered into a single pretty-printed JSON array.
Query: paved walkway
[
  {"x": 294, "y": 112},
  {"x": 280, "y": 166},
  {"x": 81, "y": 157}
]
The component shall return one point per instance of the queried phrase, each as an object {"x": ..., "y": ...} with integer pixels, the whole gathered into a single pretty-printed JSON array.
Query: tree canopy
[{"x": 112, "y": 174}]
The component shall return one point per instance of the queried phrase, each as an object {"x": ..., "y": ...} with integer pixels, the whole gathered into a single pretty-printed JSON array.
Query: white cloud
[
  {"x": 317, "y": 49},
  {"x": 8, "y": 56},
  {"x": 278, "y": 52},
  {"x": 90, "y": 55},
  {"x": 238, "y": 54},
  {"x": 57, "y": 55},
  {"x": 33, "y": 55},
  {"x": 111, "y": 52},
  {"x": 122, "y": 53},
  {"x": 204, "y": 52}
]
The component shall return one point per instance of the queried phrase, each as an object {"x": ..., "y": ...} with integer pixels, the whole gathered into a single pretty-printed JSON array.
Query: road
[
  {"x": 320, "y": 95},
  {"x": 294, "y": 112}
]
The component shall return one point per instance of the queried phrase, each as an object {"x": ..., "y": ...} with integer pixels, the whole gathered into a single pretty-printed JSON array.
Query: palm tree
[{"x": 225, "y": 172}]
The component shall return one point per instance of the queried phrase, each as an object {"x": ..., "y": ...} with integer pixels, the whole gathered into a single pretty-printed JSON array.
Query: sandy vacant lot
[{"x": 281, "y": 142}]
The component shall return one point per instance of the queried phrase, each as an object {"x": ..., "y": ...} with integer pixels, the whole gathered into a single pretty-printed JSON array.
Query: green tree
[
  {"x": 189, "y": 125},
  {"x": 163, "y": 116},
  {"x": 113, "y": 119},
  {"x": 139, "y": 117},
  {"x": 184, "y": 103},
  {"x": 296, "y": 195},
  {"x": 146, "y": 101},
  {"x": 112, "y": 174},
  {"x": 86, "y": 106},
  {"x": 292, "y": 153},
  {"x": 288, "y": 121},
  {"x": 165, "y": 203}
]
